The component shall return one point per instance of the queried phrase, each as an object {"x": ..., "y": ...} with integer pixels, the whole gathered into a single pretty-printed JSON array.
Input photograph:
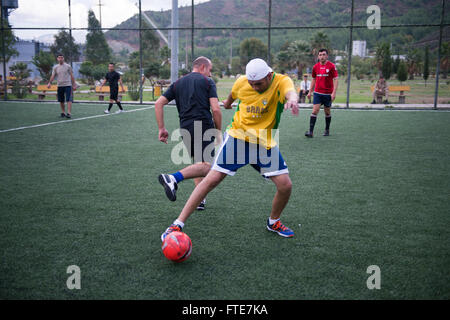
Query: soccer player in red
[{"x": 324, "y": 85}]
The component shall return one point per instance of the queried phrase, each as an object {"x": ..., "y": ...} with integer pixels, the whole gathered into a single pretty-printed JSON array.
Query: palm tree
[
  {"x": 299, "y": 53},
  {"x": 445, "y": 59},
  {"x": 318, "y": 41},
  {"x": 413, "y": 62}
]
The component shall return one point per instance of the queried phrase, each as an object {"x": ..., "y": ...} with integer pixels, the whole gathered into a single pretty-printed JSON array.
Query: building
[
  {"x": 359, "y": 48},
  {"x": 27, "y": 50}
]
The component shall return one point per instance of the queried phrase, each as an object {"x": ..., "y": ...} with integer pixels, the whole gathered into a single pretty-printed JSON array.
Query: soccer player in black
[
  {"x": 198, "y": 107},
  {"x": 113, "y": 78}
]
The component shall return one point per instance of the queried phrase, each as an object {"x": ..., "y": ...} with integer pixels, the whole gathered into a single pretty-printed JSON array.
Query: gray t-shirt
[{"x": 63, "y": 73}]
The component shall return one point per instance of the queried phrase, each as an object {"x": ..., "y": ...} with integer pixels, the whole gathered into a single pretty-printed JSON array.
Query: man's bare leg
[
  {"x": 69, "y": 107},
  {"x": 281, "y": 198},
  {"x": 209, "y": 183},
  {"x": 63, "y": 107}
]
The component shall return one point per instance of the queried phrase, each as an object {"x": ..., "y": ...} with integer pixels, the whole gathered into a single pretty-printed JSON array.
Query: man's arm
[
  {"x": 51, "y": 79},
  {"x": 311, "y": 88},
  {"x": 216, "y": 113},
  {"x": 292, "y": 102},
  {"x": 74, "y": 84},
  {"x": 227, "y": 104},
  {"x": 163, "y": 135},
  {"x": 102, "y": 83},
  {"x": 121, "y": 84},
  {"x": 335, "y": 87}
]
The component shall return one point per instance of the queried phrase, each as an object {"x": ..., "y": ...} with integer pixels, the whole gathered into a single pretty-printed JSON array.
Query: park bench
[
  {"x": 42, "y": 90},
  {"x": 2, "y": 89},
  {"x": 101, "y": 92},
  {"x": 401, "y": 96}
]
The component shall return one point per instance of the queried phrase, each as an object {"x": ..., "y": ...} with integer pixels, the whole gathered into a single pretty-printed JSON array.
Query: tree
[
  {"x": 426, "y": 65},
  {"x": 250, "y": 49},
  {"x": 396, "y": 63},
  {"x": 44, "y": 62},
  {"x": 402, "y": 72},
  {"x": 299, "y": 53},
  {"x": 445, "y": 59},
  {"x": 386, "y": 68},
  {"x": 9, "y": 40},
  {"x": 413, "y": 62},
  {"x": 97, "y": 49},
  {"x": 318, "y": 41},
  {"x": 93, "y": 72},
  {"x": 21, "y": 71},
  {"x": 282, "y": 61},
  {"x": 383, "y": 60},
  {"x": 65, "y": 44}
]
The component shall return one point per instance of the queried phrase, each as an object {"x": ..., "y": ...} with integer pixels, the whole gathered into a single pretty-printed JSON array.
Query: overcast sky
[{"x": 55, "y": 13}]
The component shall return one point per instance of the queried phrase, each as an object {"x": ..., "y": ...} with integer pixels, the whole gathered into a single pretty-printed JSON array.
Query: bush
[
  {"x": 131, "y": 78},
  {"x": 19, "y": 90}
]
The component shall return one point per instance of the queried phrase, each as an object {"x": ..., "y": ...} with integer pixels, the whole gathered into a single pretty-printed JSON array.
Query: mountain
[{"x": 289, "y": 13}]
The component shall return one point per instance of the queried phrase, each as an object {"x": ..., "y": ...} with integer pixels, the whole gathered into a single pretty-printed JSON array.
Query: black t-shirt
[
  {"x": 192, "y": 94},
  {"x": 113, "y": 79}
]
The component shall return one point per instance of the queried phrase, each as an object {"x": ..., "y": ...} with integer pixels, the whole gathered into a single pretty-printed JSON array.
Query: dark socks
[
  {"x": 110, "y": 106},
  {"x": 312, "y": 122},
  {"x": 178, "y": 176},
  {"x": 327, "y": 122},
  {"x": 120, "y": 106}
]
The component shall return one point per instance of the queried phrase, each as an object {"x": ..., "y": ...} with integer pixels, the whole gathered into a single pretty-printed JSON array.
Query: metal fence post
[
  {"x": 269, "y": 29},
  {"x": 438, "y": 65},
  {"x": 192, "y": 31},
  {"x": 140, "y": 54},
  {"x": 349, "y": 58},
  {"x": 5, "y": 86}
]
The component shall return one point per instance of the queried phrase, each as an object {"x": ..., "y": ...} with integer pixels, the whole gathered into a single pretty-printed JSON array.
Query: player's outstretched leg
[
  {"x": 284, "y": 188},
  {"x": 170, "y": 181},
  {"x": 209, "y": 183}
]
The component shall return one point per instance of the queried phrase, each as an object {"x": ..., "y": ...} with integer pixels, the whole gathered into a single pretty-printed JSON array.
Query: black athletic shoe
[
  {"x": 326, "y": 133},
  {"x": 308, "y": 134},
  {"x": 373, "y": 102},
  {"x": 201, "y": 206},
  {"x": 63, "y": 115},
  {"x": 386, "y": 102},
  {"x": 68, "y": 116},
  {"x": 170, "y": 186}
]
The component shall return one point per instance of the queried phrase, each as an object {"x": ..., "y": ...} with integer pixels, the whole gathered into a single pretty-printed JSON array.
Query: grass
[{"x": 86, "y": 193}]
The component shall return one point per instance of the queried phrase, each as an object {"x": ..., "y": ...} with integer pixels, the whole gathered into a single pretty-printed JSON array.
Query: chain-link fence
[{"x": 364, "y": 40}]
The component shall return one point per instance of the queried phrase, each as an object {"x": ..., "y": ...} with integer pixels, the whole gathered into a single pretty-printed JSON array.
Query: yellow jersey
[{"x": 257, "y": 113}]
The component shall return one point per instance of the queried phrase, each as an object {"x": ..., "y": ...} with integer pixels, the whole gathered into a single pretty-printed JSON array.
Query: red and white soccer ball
[{"x": 177, "y": 246}]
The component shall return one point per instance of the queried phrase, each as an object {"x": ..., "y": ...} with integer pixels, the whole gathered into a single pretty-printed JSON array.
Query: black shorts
[
  {"x": 65, "y": 94},
  {"x": 324, "y": 99},
  {"x": 200, "y": 147},
  {"x": 113, "y": 93}
]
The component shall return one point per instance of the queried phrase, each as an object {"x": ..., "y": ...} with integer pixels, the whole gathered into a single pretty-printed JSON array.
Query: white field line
[{"x": 71, "y": 120}]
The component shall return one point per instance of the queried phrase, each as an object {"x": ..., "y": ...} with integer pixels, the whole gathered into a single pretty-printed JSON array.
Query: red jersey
[{"x": 324, "y": 75}]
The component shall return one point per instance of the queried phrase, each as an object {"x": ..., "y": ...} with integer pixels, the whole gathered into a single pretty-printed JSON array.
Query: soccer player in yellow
[{"x": 262, "y": 96}]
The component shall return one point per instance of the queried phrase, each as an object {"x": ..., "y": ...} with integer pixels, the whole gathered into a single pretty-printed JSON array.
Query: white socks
[
  {"x": 178, "y": 222},
  {"x": 272, "y": 221}
]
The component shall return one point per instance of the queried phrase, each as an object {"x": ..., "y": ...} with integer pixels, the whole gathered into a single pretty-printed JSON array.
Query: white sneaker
[
  {"x": 119, "y": 111},
  {"x": 107, "y": 111}
]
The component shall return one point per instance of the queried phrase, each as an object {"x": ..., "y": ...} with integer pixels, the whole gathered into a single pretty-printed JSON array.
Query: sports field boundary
[
  {"x": 71, "y": 120},
  {"x": 336, "y": 106}
]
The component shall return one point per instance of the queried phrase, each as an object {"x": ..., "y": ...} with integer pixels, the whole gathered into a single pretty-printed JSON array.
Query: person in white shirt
[{"x": 305, "y": 85}]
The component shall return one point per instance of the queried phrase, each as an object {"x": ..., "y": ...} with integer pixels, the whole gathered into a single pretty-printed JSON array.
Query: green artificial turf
[{"x": 85, "y": 193}]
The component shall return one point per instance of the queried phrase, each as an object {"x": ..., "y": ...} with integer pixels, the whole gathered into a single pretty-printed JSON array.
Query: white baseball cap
[{"x": 257, "y": 69}]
